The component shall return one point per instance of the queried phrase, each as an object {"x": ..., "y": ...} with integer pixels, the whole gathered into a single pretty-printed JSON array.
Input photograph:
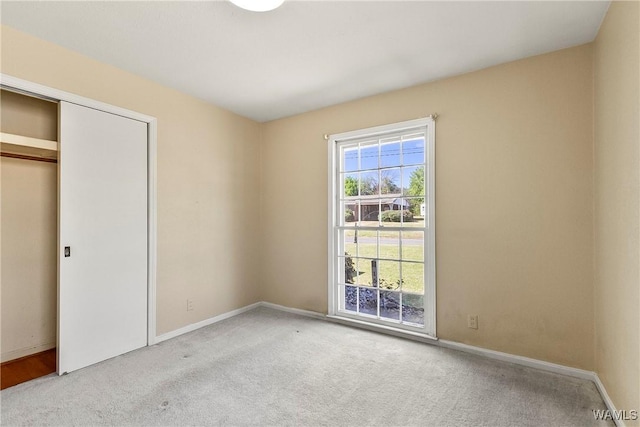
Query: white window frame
[{"x": 427, "y": 125}]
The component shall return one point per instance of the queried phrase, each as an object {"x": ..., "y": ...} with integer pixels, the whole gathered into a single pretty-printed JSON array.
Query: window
[{"x": 381, "y": 227}]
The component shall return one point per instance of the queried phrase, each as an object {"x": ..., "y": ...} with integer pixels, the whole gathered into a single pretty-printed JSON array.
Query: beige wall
[
  {"x": 27, "y": 116},
  {"x": 617, "y": 204},
  {"x": 513, "y": 203},
  {"x": 29, "y": 257},
  {"x": 208, "y": 162}
]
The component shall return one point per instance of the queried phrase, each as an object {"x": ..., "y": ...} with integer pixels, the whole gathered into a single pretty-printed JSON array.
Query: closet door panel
[{"x": 103, "y": 223}]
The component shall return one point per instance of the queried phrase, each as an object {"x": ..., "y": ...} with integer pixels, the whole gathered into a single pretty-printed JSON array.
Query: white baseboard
[
  {"x": 491, "y": 354},
  {"x": 206, "y": 322},
  {"x": 25, "y": 351},
  {"x": 519, "y": 360},
  {"x": 607, "y": 400},
  {"x": 306, "y": 313}
]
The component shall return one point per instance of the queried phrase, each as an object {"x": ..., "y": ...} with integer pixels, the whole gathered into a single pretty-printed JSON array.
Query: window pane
[
  {"x": 392, "y": 211},
  {"x": 413, "y": 151},
  {"x": 369, "y": 210},
  {"x": 368, "y": 299},
  {"x": 413, "y": 308},
  {"x": 389, "y": 275},
  {"x": 348, "y": 297},
  {"x": 413, "y": 180},
  {"x": 413, "y": 277},
  {"x": 364, "y": 276},
  {"x": 418, "y": 208},
  {"x": 348, "y": 268},
  {"x": 367, "y": 244},
  {"x": 348, "y": 243},
  {"x": 410, "y": 219},
  {"x": 349, "y": 185},
  {"x": 350, "y": 159},
  {"x": 389, "y": 152},
  {"x": 389, "y": 247},
  {"x": 369, "y": 185},
  {"x": 350, "y": 211},
  {"x": 390, "y": 305},
  {"x": 390, "y": 182},
  {"x": 369, "y": 155},
  {"x": 413, "y": 245}
]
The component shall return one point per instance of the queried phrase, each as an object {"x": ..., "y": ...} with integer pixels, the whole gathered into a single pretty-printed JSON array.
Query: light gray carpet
[{"x": 266, "y": 367}]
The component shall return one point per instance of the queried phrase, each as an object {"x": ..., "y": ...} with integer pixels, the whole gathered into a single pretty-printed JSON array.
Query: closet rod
[{"x": 25, "y": 157}]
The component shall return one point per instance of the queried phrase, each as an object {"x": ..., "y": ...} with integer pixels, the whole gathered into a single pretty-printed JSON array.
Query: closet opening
[{"x": 29, "y": 227}]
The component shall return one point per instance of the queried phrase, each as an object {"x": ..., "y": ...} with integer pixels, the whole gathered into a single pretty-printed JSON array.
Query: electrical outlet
[
  {"x": 189, "y": 305},
  {"x": 472, "y": 321}
]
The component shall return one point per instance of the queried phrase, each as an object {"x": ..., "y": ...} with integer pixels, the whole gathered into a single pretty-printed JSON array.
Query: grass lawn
[{"x": 412, "y": 273}]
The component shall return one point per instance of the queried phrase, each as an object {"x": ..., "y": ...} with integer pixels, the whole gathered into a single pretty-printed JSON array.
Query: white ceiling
[{"x": 307, "y": 54}]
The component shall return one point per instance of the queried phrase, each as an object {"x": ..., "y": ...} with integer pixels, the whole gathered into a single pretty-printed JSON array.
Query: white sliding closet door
[{"x": 103, "y": 222}]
